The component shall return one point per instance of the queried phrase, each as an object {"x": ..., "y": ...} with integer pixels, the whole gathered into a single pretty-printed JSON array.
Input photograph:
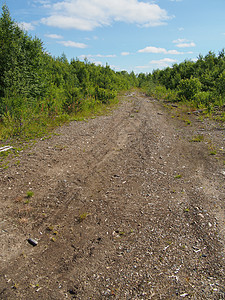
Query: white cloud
[
  {"x": 95, "y": 38},
  {"x": 175, "y": 52},
  {"x": 142, "y": 67},
  {"x": 125, "y": 53},
  {"x": 184, "y": 43},
  {"x": 65, "y": 22},
  {"x": 89, "y": 14},
  {"x": 97, "y": 63},
  {"x": 151, "y": 49},
  {"x": 165, "y": 62},
  {"x": 91, "y": 56},
  {"x": 107, "y": 55},
  {"x": 161, "y": 63},
  {"x": 43, "y": 3},
  {"x": 180, "y": 41},
  {"x": 54, "y": 36},
  {"x": 26, "y": 26},
  {"x": 73, "y": 44}
]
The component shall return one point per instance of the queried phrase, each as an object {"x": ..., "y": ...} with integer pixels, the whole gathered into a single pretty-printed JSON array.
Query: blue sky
[{"x": 132, "y": 35}]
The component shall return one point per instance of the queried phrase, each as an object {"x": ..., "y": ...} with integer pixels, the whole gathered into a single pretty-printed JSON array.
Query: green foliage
[
  {"x": 82, "y": 217},
  {"x": 202, "y": 98},
  {"x": 197, "y": 138},
  {"x": 29, "y": 194},
  {"x": 188, "y": 88},
  {"x": 213, "y": 152},
  {"x": 202, "y": 82},
  {"x": 220, "y": 84},
  {"x": 104, "y": 95},
  {"x": 21, "y": 60},
  {"x": 38, "y": 91},
  {"x": 159, "y": 91},
  {"x": 177, "y": 176}
]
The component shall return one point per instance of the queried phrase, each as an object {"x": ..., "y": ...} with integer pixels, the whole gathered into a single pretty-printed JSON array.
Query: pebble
[
  {"x": 33, "y": 242},
  {"x": 184, "y": 295}
]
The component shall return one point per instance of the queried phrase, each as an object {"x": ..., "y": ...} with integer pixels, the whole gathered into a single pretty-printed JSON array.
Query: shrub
[
  {"x": 202, "y": 98},
  {"x": 188, "y": 88}
]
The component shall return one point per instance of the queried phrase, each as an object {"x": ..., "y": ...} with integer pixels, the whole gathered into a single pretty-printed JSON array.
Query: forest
[
  {"x": 200, "y": 83},
  {"x": 39, "y": 92}
]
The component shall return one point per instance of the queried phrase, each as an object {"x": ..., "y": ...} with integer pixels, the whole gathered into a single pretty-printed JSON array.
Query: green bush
[
  {"x": 188, "y": 88},
  {"x": 220, "y": 84},
  {"x": 201, "y": 82},
  {"x": 161, "y": 92},
  {"x": 104, "y": 95},
  {"x": 202, "y": 98}
]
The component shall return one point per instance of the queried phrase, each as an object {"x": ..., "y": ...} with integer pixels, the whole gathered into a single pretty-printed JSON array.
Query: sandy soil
[{"x": 124, "y": 207}]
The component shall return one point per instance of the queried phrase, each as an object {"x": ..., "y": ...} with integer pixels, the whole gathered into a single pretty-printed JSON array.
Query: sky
[{"x": 131, "y": 35}]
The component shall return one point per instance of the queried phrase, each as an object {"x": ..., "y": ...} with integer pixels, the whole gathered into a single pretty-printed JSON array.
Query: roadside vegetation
[
  {"x": 39, "y": 92},
  {"x": 199, "y": 84}
]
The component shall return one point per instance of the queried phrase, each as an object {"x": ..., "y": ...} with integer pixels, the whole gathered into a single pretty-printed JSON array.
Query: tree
[
  {"x": 21, "y": 60},
  {"x": 188, "y": 88}
]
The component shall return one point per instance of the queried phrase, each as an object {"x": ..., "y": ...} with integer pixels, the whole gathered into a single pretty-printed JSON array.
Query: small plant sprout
[
  {"x": 121, "y": 233},
  {"x": 177, "y": 176},
  {"x": 197, "y": 138},
  {"x": 50, "y": 228},
  {"x": 83, "y": 216},
  {"x": 213, "y": 152},
  {"x": 188, "y": 122},
  {"x": 30, "y": 194}
]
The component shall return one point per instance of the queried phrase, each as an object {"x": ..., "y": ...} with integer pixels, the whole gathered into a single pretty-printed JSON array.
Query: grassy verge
[
  {"x": 213, "y": 108},
  {"x": 22, "y": 134}
]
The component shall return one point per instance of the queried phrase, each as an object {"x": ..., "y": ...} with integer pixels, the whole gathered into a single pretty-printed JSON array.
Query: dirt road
[{"x": 124, "y": 206}]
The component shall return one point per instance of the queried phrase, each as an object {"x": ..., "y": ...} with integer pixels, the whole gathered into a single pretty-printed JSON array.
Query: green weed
[
  {"x": 29, "y": 194},
  {"x": 197, "y": 138},
  {"x": 177, "y": 176},
  {"x": 4, "y": 165},
  {"x": 213, "y": 152},
  {"x": 82, "y": 217},
  {"x": 50, "y": 228},
  {"x": 188, "y": 122}
]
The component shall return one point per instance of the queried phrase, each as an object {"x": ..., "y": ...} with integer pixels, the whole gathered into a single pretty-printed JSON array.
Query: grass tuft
[
  {"x": 197, "y": 138},
  {"x": 29, "y": 194}
]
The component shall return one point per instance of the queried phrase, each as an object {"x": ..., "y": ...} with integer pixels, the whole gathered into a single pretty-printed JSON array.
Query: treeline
[
  {"x": 202, "y": 82},
  {"x": 37, "y": 89}
]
